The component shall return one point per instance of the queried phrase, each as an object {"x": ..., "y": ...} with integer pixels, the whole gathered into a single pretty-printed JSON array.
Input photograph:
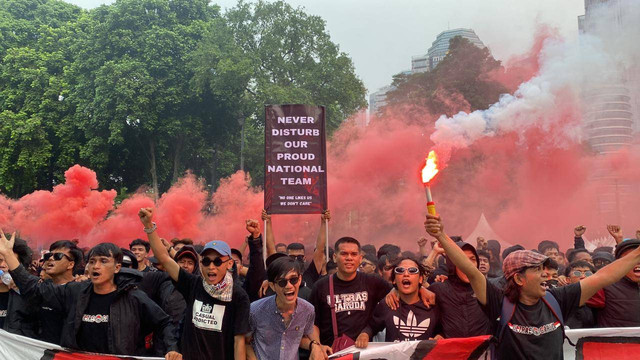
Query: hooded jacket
[
  {"x": 132, "y": 314},
  {"x": 461, "y": 314}
]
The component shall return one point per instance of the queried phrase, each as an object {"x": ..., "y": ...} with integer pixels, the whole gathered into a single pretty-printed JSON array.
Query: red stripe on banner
[
  {"x": 459, "y": 348},
  {"x": 606, "y": 351},
  {"x": 353, "y": 356},
  {"x": 65, "y": 355}
]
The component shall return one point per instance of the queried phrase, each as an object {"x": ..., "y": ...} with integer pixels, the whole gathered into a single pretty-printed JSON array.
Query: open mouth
[
  {"x": 290, "y": 295},
  {"x": 636, "y": 270},
  {"x": 406, "y": 283},
  {"x": 95, "y": 275},
  {"x": 211, "y": 276}
]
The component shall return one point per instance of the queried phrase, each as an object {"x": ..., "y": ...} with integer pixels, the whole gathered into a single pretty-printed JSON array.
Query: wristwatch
[
  {"x": 153, "y": 228},
  {"x": 313, "y": 342}
]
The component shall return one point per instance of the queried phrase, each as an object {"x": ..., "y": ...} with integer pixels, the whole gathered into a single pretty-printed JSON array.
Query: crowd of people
[{"x": 209, "y": 301}]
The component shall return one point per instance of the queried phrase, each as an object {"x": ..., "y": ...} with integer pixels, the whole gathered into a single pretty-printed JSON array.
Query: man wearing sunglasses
[
  {"x": 412, "y": 320},
  {"x": 583, "y": 317},
  {"x": 217, "y": 314},
  {"x": 63, "y": 259},
  {"x": 283, "y": 322}
]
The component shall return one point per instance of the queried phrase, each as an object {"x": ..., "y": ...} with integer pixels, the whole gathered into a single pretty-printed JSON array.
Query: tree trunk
[
  {"x": 153, "y": 169},
  {"x": 176, "y": 159},
  {"x": 214, "y": 172},
  {"x": 242, "y": 122}
]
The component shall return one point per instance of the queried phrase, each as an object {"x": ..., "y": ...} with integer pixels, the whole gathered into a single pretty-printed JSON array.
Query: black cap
[
  {"x": 602, "y": 255},
  {"x": 273, "y": 257},
  {"x": 626, "y": 245},
  {"x": 466, "y": 246}
]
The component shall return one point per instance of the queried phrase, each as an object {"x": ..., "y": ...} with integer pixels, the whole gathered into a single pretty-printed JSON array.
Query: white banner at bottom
[
  {"x": 590, "y": 344},
  {"x": 21, "y": 347}
]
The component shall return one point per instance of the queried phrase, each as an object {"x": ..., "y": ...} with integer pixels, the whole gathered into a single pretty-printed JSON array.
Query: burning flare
[{"x": 431, "y": 168}]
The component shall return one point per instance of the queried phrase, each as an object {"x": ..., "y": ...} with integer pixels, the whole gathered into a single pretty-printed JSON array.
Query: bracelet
[
  {"x": 313, "y": 342},
  {"x": 149, "y": 231}
]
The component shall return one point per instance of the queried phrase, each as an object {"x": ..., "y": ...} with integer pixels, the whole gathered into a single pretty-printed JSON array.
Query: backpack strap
[
  {"x": 332, "y": 305},
  {"x": 508, "y": 309},
  {"x": 554, "y": 306}
]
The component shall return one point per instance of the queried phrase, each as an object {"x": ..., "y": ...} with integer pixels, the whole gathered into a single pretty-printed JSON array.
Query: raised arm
[
  {"x": 434, "y": 227},
  {"x": 30, "y": 286},
  {"x": 159, "y": 250},
  {"x": 270, "y": 238},
  {"x": 616, "y": 232},
  {"x": 321, "y": 241},
  {"x": 578, "y": 241},
  {"x": 608, "y": 275}
]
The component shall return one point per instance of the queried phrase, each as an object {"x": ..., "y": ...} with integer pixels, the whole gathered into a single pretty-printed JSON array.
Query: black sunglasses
[
  {"x": 297, "y": 257},
  {"x": 283, "y": 282},
  {"x": 207, "y": 261},
  {"x": 56, "y": 256},
  {"x": 401, "y": 270}
]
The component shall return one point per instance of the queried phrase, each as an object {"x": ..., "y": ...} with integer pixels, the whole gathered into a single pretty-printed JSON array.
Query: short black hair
[
  {"x": 280, "y": 245},
  {"x": 551, "y": 264},
  {"x": 23, "y": 252},
  {"x": 372, "y": 258},
  {"x": 76, "y": 253},
  {"x": 135, "y": 242},
  {"x": 511, "y": 249},
  {"x": 186, "y": 241},
  {"x": 577, "y": 264},
  {"x": 106, "y": 249},
  {"x": 571, "y": 255},
  {"x": 280, "y": 267},
  {"x": 388, "y": 249},
  {"x": 236, "y": 252},
  {"x": 369, "y": 249},
  {"x": 346, "y": 240},
  {"x": 484, "y": 253},
  {"x": 382, "y": 261},
  {"x": 421, "y": 269},
  {"x": 295, "y": 246}
]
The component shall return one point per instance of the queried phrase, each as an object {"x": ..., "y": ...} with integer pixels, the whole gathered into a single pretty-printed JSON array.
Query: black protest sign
[{"x": 295, "y": 177}]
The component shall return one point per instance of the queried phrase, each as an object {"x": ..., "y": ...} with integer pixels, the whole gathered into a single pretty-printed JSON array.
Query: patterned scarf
[{"x": 221, "y": 291}]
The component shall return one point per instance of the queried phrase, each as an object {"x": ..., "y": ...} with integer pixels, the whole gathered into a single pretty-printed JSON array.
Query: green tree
[
  {"x": 131, "y": 86},
  {"x": 273, "y": 53},
  {"x": 460, "y": 81}
]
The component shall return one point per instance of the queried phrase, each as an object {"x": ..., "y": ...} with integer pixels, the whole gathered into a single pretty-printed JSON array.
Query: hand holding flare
[{"x": 428, "y": 172}]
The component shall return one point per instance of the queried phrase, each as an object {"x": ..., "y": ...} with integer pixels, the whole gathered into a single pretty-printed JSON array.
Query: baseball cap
[
  {"x": 519, "y": 260},
  {"x": 626, "y": 245},
  {"x": 219, "y": 246}
]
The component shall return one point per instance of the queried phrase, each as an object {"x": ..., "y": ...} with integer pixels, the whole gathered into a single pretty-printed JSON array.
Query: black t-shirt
[
  {"x": 4, "y": 304},
  {"x": 51, "y": 323},
  {"x": 355, "y": 301},
  {"x": 310, "y": 275},
  {"x": 533, "y": 332},
  {"x": 210, "y": 324},
  {"x": 94, "y": 329},
  {"x": 407, "y": 322}
]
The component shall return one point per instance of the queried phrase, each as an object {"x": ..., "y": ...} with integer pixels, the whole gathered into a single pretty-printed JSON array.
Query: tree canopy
[{"x": 143, "y": 90}]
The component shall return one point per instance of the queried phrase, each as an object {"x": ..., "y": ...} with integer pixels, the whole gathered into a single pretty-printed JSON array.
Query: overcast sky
[{"x": 382, "y": 35}]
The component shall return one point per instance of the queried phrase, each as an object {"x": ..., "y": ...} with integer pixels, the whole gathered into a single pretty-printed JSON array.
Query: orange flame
[{"x": 431, "y": 168}]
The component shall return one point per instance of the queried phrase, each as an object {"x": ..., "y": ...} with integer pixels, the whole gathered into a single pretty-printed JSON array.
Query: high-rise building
[
  {"x": 419, "y": 63},
  {"x": 608, "y": 119},
  {"x": 439, "y": 49},
  {"x": 440, "y": 46},
  {"x": 378, "y": 99},
  {"x": 610, "y": 106}
]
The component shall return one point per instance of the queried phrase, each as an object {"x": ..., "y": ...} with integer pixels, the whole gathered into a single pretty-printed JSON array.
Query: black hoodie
[{"x": 132, "y": 313}]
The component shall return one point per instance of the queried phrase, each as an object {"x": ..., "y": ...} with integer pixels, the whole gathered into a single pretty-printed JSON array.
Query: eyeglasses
[
  {"x": 579, "y": 273},
  {"x": 401, "y": 270},
  {"x": 297, "y": 257},
  {"x": 56, "y": 256},
  {"x": 207, "y": 261},
  {"x": 283, "y": 282}
]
